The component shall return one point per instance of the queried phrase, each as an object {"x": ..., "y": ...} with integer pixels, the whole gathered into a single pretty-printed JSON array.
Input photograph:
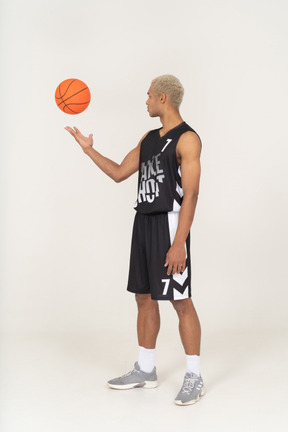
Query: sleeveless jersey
[{"x": 159, "y": 177}]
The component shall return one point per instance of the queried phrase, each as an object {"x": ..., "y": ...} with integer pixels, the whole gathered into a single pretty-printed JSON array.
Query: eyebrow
[{"x": 148, "y": 92}]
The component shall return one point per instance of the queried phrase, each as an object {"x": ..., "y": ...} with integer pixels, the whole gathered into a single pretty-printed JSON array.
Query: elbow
[
  {"x": 118, "y": 179},
  {"x": 117, "y": 176}
]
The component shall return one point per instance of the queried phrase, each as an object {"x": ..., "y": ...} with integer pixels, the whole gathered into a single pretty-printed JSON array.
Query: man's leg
[
  {"x": 189, "y": 326},
  {"x": 148, "y": 321},
  {"x": 148, "y": 324},
  {"x": 190, "y": 333}
]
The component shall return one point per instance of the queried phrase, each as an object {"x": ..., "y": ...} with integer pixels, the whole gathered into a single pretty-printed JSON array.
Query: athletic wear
[
  {"x": 159, "y": 176},
  {"x": 193, "y": 363},
  {"x": 152, "y": 237},
  {"x": 191, "y": 390},
  {"x": 158, "y": 204},
  {"x": 146, "y": 359},
  {"x": 135, "y": 378}
]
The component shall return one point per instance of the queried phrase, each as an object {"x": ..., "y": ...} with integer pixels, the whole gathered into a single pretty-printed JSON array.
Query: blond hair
[{"x": 171, "y": 86}]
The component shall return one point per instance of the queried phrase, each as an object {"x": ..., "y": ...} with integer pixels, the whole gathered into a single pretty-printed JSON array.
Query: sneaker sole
[
  {"x": 144, "y": 384},
  {"x": 202, "y": 392}
]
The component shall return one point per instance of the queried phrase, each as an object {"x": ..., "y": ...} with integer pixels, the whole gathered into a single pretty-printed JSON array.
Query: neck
[{"x": 170, "y": 119}]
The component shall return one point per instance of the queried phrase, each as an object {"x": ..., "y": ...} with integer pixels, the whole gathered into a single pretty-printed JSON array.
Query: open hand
[{"x": 85, "y": 142}]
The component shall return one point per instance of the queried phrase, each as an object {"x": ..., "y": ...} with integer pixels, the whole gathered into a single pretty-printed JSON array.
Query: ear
[{"x": 163, "y": 97}]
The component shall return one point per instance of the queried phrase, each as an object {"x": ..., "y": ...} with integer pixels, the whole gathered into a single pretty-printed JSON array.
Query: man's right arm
[{"x": 118, "y": 172}]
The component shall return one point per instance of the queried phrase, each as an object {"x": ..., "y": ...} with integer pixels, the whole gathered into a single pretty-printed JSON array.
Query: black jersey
[{"x": 159, "y": 178}]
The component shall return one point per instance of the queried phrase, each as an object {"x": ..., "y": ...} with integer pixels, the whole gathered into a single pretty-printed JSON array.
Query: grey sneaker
[
  {"x": 191, "y": 390},
  {"x": 135, "y": 378}
]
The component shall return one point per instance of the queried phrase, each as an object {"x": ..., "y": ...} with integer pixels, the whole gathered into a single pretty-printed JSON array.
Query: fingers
[
  {"x": 72, "y": 131},
  {"x": 175, "y": 268},
  {"x": 169, "y": 269}
]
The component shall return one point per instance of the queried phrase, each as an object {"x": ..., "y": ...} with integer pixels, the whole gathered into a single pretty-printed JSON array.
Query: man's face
[{"x": 153, "y": 104}]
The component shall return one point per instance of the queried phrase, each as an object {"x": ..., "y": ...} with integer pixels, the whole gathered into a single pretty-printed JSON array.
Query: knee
[
  {"x": 145, "y": 301},
  {"x": 182, "y": 307}
]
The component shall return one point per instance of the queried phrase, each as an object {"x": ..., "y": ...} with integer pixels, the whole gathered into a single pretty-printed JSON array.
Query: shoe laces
[
  {"x": 129, "y": 373},
  {"x": 189, "y": 384}
]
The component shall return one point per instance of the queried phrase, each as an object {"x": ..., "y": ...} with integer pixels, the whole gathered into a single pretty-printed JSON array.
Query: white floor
[{"x": 57, "y": 382}]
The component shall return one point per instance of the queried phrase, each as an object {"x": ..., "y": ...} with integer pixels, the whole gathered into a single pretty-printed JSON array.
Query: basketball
[{"x": 72, "y": 96}]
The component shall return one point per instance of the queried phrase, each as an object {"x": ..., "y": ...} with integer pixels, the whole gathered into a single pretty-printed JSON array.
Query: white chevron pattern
[
  {"x": 178, "y": 296},
  {"x": 180, "y": 278},
  {"x": 179, "y": 190}
]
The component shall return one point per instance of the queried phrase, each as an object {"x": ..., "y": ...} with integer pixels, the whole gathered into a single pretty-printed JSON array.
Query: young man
[{"x": 168, "y": 160}]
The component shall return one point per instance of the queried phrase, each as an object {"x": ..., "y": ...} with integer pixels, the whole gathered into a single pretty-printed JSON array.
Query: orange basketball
[{"x": 72, "y": 96}]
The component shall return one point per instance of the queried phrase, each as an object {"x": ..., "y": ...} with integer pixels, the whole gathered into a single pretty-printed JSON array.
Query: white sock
[
  {"x": 193, "y": 364},
  {"x": 146, "y": 359}
]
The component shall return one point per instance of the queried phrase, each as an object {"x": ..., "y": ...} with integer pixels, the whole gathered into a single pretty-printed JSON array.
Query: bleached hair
[{"x": 170, "y": 85}]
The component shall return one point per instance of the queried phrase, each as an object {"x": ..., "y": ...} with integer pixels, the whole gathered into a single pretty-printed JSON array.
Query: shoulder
[
  {"x": 189, "y": 143},
  {"x": 143, "y": 137}
]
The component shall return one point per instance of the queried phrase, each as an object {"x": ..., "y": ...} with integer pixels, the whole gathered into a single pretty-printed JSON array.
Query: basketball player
[{"x": 168, "y": 160}]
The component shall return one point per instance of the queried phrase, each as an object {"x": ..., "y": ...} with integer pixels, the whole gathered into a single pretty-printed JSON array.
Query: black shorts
[{"x": 152, "y": 237}]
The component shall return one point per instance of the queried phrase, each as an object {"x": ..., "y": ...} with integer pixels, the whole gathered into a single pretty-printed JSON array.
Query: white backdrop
[{"x": 66, "y": 227}]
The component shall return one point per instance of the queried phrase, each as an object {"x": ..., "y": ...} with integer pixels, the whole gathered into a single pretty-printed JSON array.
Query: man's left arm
[{"x": 189, "y": 147}]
